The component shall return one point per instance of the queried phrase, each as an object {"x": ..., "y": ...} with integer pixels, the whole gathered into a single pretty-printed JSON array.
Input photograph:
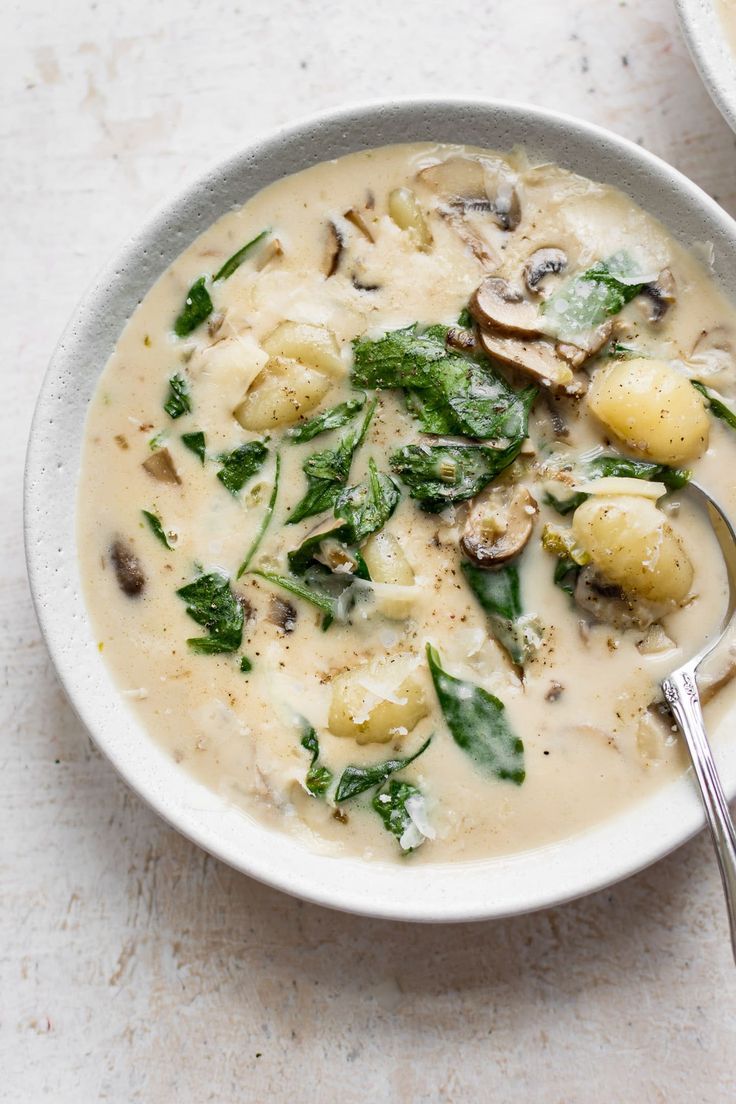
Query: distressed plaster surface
[{"x": 133, "y": 968}]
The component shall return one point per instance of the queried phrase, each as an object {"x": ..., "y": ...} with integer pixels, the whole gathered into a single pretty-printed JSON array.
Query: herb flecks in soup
[{"x": 383, "y": 515}]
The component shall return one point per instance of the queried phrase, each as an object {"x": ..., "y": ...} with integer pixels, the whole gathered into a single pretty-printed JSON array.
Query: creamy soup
[
  {"x": 727, "y": 11},
  {"x": 383, "y": 516}
]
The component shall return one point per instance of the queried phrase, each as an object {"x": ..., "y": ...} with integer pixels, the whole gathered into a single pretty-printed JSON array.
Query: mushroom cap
[
  {"x": 498, "y": 525},
  {"x": 536, "y": 357},
  {"x": 498, "y": 305},
  {"x": 661, "y": 294}
]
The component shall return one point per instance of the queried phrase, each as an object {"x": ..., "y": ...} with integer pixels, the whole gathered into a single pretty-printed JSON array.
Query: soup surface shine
[{"x": 497, "y": 559}]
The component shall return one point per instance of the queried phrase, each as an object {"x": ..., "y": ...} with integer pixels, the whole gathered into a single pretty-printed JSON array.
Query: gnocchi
[
  {"x": 386, "y": 562},
  {"x": 631, "y": 543},
  {"x": 282, "y": 392},
  {"x": 653, "y": 409},
  {"x": 360, "y": 710},
  {"x": 407, "y": 214},
  {"x": 313, "y": 346}
]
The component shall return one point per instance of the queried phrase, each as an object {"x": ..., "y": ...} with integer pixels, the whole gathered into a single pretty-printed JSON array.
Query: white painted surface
[{"x": 134, "y": 968}]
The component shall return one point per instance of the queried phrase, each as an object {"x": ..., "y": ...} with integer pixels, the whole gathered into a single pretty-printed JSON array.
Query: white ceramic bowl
[
  {"x": 712, "y": 53},
  {"x": 497, "y": 887}
]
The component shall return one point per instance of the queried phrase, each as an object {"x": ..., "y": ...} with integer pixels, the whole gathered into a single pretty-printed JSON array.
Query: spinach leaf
[
  {"x": 234, "y": 262},
  {"x": 499, "y": 593},
  {"x": 624, "y": 468},
  {"x": 241, "y": 464},
  {"x": 366, "y": 507},
  {"x": 356, "y": 780},
  {"x": 327, "y": 472},
  {"x": 318, "y": 777},
  {"x": 195, "y": 442},
  {"x": 157, "y": 528},
  {"x": 335, "y": 418},
  {"x": 197, "y": 306},
  {"x": 212, "y": 604},
  {"x": 438, "y": 475},
  {"x": 447, "y": 391},
  {"x": 265, "y": 521},
  {"x": 716, "y": 407},
  {"x": 565, "y": 575},
  {"x": 588, "y": 299},
  {"x": 179, "y": 401},
  {"x": 477, "y": 721},
  {"x": 246, "y": 665},
  {"x": 394, "y": 808},
  {"x": 465, "y": 319}
]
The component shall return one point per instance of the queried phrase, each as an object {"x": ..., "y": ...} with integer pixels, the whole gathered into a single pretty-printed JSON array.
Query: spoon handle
[{"x": 681, "y": 692}]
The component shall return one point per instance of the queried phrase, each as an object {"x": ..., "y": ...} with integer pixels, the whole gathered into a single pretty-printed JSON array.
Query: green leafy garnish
[
  {"x": 447, "y": 391},
  {"x": 318, "y": 777},
  {"x": 212, "y": 604},
  {"x": 465, "y": 319},
  {"x": 157, "y": 441},
  {"x": 197, "y": 307},
  {"x": 234, "y": 262},
  {"x": 195, "y": 442},
  {"x": 335, "y": 418},
  {"x": 356, "y": 780},
  {"x": 366, "y": 507},
  {"x": 499, "y": 593},
  {"x": 241, "y": 464},
  {"x": 157, "y": 528},
  {"x": 325, "y": 602},
  {"x": 477, "y": 721},
  {"x": 179, "y": 401},
  {"x": 265, "y": 521},
  {"x": 391, "y": 805},
  {"x": 246, "y": 665},
  {"x": 327, "y": 473},
  {"x": 334, "y": 535},
  {"x": 588, "y": 299},
  {"x": 438, "y": 475},
  {"x": 715, "y": 405},
  {"x": 621, "y": 467}
]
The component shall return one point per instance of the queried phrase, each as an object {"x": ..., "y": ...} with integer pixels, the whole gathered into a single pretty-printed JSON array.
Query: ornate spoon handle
[{"x": 681, "y": 692}]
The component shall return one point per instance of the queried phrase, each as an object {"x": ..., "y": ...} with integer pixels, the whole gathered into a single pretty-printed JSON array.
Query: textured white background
[{"x": 135, "y": 968}]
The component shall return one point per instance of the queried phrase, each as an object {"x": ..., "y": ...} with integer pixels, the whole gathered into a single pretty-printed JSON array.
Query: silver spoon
[{"x": 681, "y": 692}]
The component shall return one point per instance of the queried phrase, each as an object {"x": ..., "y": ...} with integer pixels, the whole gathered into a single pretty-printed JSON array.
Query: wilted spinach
[
  {"x": 241, "y": 464},
  {"x": 477, "y": 721},
  {"x": 211, "y": 603}
]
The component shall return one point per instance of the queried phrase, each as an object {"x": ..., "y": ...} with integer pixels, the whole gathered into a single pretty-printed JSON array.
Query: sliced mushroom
[
  {"x": 537, "y": 358},
  {"x": 128, "y": 570},
  {"x": 161, "y": 467},
  {"x": 542, "y": 263},
  {"x": 498, "y": 525},
  {"x": 354, "y": 217},
  {"x": 478, "y": 247},
  {"x": 576, "y": 354},
  {"x": 499, "y": 306},
  {"x": 333, "y": 251},
  {"x": 608, "y": 603},
  {"x": 661, "y": 293},
  {"x": 477, "y": 184},
  {"x": 282, "y": 614}
]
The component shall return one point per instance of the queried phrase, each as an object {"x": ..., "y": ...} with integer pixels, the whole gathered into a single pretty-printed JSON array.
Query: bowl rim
[
  {"x": 711, "y": 52},
  {"x": 448, "y": 892}
]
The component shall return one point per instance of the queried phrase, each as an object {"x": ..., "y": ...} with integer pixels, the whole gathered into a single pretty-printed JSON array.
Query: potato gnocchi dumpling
[
  {"x": 282, "y": 392},
  {"x": 359, "y": 710},
  {"x": 631, "y": 543},
  {"x": 386, "y": 562},
  {"x": 653, "y": 409},
  {"x": 313, "y": 346}
]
